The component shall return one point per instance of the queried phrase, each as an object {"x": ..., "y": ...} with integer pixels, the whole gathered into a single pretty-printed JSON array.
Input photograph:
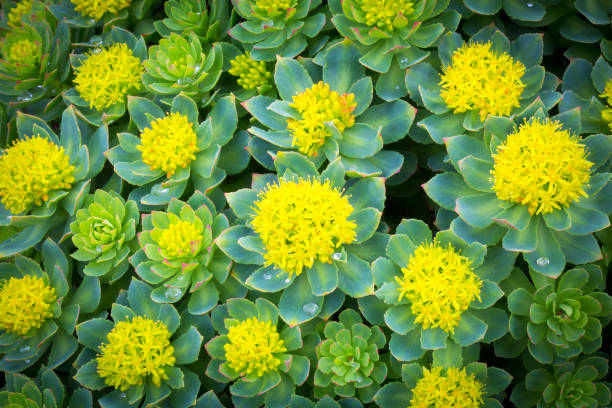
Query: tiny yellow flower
[
  {"x": 318, "y": 105},
  {"x": 456, "y": 389},
  {"x": 482, "y": 80},
  {"x": 97, "y": 8},
  {"x": 108, "y": 75},
  {"x": 181, "y": 238},
  {"x": 606, "y": 114},
  {"x": 251, "y": 74},
  {"x": 135, "y": 350},
  {"x": 16, "y": 14},
  {"x": 541, "y": 166},
  {"x": 300, "y": 222},
  {"x": 274, "y": 8},
  {"x": 169, "y": 143},
  {"x": 31, "y": 169},
  {"x": 383, "y": 13},
  {"x": 440, "y": 285},
  {"x": 252, "y": 345},
  {"x": 24, "y": 52},
  {"x": 25, "y": 304}
]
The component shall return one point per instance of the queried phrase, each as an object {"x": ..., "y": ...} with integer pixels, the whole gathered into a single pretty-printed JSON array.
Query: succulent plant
[
  {"x": 178, "y": 64},
  {"x": 321, "y": 250},
  {"x": 142, "y": 353},
  {"x": 175, "y": 149},
  {"x": 46, "y": 176},
  {"x": 183, "y": 16},
  {"x": 573, "y": 384},
  {"x": 104, "y": 233},
  {"x": 331, "y": 118},
  {"x": 257, "y": 353},
  {"x": 276, "y": 27},
  {"x": 38, "y": 310},
  {"x": 560, "y": 319},
  {"x": 14, "y": 13}
]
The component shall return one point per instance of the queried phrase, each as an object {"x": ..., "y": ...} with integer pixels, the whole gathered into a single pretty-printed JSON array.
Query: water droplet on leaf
[
  {"x": 310, "y": 308},
  {"x": 267, "y": 276},
  {"x": 173, "y": 293},
  {"x": 543, "y": 261},
  {"x": 24, "y": 349}
]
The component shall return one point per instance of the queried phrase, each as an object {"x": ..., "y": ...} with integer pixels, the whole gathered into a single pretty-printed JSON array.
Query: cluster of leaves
[{"x": 287, "y": 191}]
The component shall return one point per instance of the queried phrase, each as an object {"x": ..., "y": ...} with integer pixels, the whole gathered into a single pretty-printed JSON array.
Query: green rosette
[
  {"x": 320, "y": 289},
  {"x": 104, "y": 233},
  {"x": 178, "y": 385},
  {"x": 546, "y": 241},
  {"x": 78, "y": 140},
  {"x": 182, "y": 16},
  {"x": 276, "y": 386},
  {"x": 576, "y": 383},
  {"x": 349, "y": 363},
  {"x": 360, "y": 145},
  {"x": 479, "y": 322},
  {"x": 277, "y": 29},
  {"x": 201, "y": 273},
  {"x": 217, "y": 152},
  {"x": 54, "y": 338},
  {"x": 423, "y": 82},
  {"x": 557, "y": 320}
]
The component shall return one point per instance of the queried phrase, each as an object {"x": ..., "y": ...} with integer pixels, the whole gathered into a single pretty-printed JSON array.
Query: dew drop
[
  {"x": 397, "y": 87},
  {"x": 173, "y": 293},
  {"x": 180, "y": 81},
  {"x": 24, "y": 349},
  {"x": 197, "y": 68},
  {"x": 123, "y": 395},
  {"x": 163, "y": 190},
  {"x": 96, "y": 40},
  {"x": 99, "y": 248},
  {"x": 310, "y": 308},
  {"x": 180, "y": 278},
  {"x": 287, "y": 280},
  {"x": 543, "y": 261},
  {"x": 337, "y": 256},
  {"x": 24, "y": 97},
  {"x": 529, "y": 4},
  {"x": 404, "y": 60},
  {"x": 27, "y": 361},
  {"x": 267, "y": 276},
  {"x": 91, "y": 21}
]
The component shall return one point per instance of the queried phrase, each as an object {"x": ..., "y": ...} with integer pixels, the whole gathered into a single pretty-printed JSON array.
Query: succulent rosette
[
  {"x": 249, "y": 77},
  {"x": 558, "y": 319},
  {"x": 179, "y": 258},
  {"x": 539, "y": 188},
  {"x": 178, "y": 64},
  {"x": 105, "y": 75},
  {"x": 174, "y": 148},
  {"x": 14, "y": 13},
  {"x": 326, "y": 115},
  {"x": 257, "y": 353},
  {"x": 88, "y": 15},
  {"x": 46, "y": 177},
  {"x": 34, "y": 67},
  {"x": 302, "y": 234},
  {"x": 276, "y": 27},
  {"x": 104, "y": 234},
  {"x": 461, "y": 94},
  {"x": 139, "y": 357},
  {"x": 38, "y": 311},
  {"x": 440, "y": 291},
  {"x": 348, "y": 358},
  {"x": 578, "y": 383},
  {"x": 182, "y": 16},
  {"x": 43, "y": 391}
]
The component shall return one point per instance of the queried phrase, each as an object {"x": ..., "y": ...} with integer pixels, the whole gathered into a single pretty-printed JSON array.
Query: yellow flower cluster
[
  {"x": 251, "y": 347},
  {"x": 251, "y": 74},
  {"x": 25, "y": 304},
  {"x": 318, "y": 105},
  {"x": 169, "y": 143},
  {"x": 456, "y": 389},
  {"x": 274, "y": 8},
  {"x": 180, "y": 239},
  {"x": 15, "y": 15},
  {"x": 31, "y": 169},
  {"x": 384, "y": 13},
  {"x": 24, "y": 52},
  {"x": 606, "y": 114},
  {"x": 135, "y": 350},
  {"x": 541, "y": 166},
  {"x": 108, "y": 75},
  {"x": 302, "y": 221},
  {"x": 97, "y": 8},
  {"x": 481, "y": 80},
  {"x": 440, "y": 285}
]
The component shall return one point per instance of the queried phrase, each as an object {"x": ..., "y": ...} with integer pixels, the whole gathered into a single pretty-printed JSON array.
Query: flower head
[
  {"x": 386, "y": 14},
  {"x": 272, "y": 8},
  {"x": 440, "y": 285},
  {"x": 318, "y": 105},
  {"x": 606, "y": 114},
  {"x": 478, "y": 79},
  {"x": 16, "y": 13},
  {"x": 251, "y": 74},
  {"x": 31, "y": 169},
  {"x": 24, "y": 52},
  {"x": 25, "y": 304},
  {"x": 541, "y": 166},
  {"x": 180, "y": 239},
  {"x": 135, "y": 350},
  {"x": 108, "y": 75},
  {"x": 97, "y": 8},
  {"x": 169, "y": 143},
  {"x": 302, "y": 221},
  {"x": 252, "y": 345},
  {"x": 456, "y": 388}
]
